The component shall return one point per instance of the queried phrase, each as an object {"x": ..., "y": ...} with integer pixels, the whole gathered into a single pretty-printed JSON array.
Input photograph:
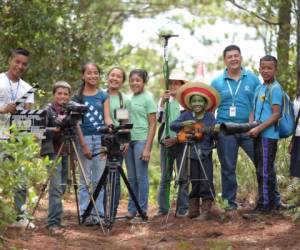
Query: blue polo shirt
[
  {"x": 265, "y": 97},
  {"x": 238, "y": 93}
]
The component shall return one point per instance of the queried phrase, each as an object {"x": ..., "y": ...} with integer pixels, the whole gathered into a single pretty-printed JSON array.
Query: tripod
[
  {"x": 186, "y": 161},
  {"x": 73, "y": 160},
  {"x": 108, "y": 180}
]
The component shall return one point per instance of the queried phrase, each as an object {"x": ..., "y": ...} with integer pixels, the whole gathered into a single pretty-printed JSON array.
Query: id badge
[{"x": 232, "y": 111}]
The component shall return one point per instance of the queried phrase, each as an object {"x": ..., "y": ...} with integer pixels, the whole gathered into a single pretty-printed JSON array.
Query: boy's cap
[
  {"x": 177, "y": 74},
  {"x": 187, "y": 90}
]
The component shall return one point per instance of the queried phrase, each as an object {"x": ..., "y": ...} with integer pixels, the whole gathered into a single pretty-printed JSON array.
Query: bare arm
[
  {"x": 86, "y": 151},
  {"x": 151, "y": 133},
  {"x": 107, "y": 118},
  {"x": 273, "y": 119}
]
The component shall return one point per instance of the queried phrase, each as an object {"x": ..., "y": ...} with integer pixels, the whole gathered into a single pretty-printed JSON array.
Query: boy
[
  {"x": 267, "y": 104},
  {"x": 169, "y": 148},
  {"x": 50, "y": 147},
  {"x": 199, "y": 100}
]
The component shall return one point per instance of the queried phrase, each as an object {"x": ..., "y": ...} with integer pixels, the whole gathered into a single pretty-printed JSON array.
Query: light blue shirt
[
  {"x": 265, "y": 97},
  {"x": 239, "y": 94}
]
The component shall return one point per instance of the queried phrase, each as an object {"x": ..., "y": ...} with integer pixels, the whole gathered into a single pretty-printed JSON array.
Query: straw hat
[
  {"x": 177, "y": 74},
  {"x": 187, "y": 90}
]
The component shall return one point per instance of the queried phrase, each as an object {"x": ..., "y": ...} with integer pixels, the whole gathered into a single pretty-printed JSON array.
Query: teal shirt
[
  {"x": 263, "y": 102},
  {"x": 140, "y": 106},
  {"x": 241, "y": 95},
  {"x": 174, "y": 113}
]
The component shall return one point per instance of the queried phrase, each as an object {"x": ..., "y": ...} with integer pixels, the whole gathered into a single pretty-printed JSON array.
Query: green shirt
[
  {"x": 139, "y": 107},
  {"x": 114, "y": 103},
  {"x": 174, "y": 113}
]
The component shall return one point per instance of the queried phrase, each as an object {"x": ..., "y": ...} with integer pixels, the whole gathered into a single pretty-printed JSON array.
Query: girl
[
  {"x": 142, "y": 112},
  {"x": 96, "y": 116},
  {"x": 115, "y": 79}
]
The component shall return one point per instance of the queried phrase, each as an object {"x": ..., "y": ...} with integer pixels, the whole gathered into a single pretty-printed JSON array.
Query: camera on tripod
[
  {"x": 113, "y": 137},
  {"x": 74, "y": 113}
]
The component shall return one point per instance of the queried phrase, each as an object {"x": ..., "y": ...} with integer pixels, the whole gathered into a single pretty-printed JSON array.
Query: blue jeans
[
  {"x": 227, "y": 148},
  {"x": 137, "y": 171},
  {"x": 163, "y": 197},
  {"x": 56, "y": 190},
  {"x": 93, "y": 170}
]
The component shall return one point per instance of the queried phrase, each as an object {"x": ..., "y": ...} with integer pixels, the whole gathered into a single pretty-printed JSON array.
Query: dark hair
[
  {"x": 119, "y": 68},
  {"x": 230, "y": 48},
  {"x": 141, "y": 73},
  {"x": 79, "y": 94},
  {"x": 19, "y": 51},
  {"x": 269, "y": 58}
]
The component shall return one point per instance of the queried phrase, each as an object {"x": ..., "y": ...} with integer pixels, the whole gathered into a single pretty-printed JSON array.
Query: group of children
[{"x": 189, "y": 104}]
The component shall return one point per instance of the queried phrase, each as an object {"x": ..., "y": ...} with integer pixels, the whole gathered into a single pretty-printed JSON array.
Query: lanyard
[
  {"x": 237, "y": 89},
  {"x": 13, "y": 96}
]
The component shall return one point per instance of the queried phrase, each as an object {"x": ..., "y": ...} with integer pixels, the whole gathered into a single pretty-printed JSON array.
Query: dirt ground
[{"x": 218, "y": 233}]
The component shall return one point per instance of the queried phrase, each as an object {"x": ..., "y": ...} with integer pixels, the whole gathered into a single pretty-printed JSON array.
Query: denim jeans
[
  {"x": 20, "y": 195},
  {"x": 93, "y": 170},
  {"x": 163, "y": 197},
  {"x": 137, "y": 171},
  {"x": 56, "y": 191},
  {"x": 227, "y": 149}
]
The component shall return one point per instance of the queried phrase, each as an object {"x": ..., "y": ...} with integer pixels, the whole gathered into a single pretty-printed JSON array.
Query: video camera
[
  {"x": 113, "y": 137},
  {"x": 74, "y": 113}
]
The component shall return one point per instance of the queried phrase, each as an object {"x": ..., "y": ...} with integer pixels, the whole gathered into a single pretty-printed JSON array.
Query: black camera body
[
  {"x": 74, "y": 114},
  {"x": 112, "y": 138},
  {"x": 230, "y": 128}
]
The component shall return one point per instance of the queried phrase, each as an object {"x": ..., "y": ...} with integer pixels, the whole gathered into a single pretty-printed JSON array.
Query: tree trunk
[{"x": 283, "y": 41}]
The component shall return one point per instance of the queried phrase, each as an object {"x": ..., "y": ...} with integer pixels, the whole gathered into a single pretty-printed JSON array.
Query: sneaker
[
  {"x": 138, "y": 220},
  {"x": 22, "y": 223},
  {"x": 284, "y": 206},
  {"x": 203, "y": 216},
  {"x": 56, "y": 230},
  {"x": 88, "y": 222},
  {"x": 129, "y": 216},
  {"x": 256, "y": 212},
  {"x": 181, "y": 215},
  {"x": 160, "y": 214}
]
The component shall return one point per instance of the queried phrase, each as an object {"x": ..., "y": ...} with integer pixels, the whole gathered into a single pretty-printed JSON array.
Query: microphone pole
[{"x": 167, "y": 111}]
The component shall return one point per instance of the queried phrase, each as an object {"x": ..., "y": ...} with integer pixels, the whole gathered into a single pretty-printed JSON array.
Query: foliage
[{"x": 20, "y": 164}]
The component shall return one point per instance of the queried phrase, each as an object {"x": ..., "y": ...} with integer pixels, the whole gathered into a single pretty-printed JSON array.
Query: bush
[{"x": 20, "y": 164}]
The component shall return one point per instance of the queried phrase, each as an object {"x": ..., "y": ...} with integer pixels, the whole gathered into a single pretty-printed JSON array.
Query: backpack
[{"x": 286, "y": 122}]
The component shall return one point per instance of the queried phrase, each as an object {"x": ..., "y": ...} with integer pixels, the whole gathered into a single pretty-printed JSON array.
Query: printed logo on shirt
[{"x": 94, "y": 117}]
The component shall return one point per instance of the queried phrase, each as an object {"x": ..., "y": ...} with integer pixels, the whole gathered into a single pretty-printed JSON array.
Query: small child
[
  {"x": 199, "y": 100},
  {"x": 267, "y": 104}
]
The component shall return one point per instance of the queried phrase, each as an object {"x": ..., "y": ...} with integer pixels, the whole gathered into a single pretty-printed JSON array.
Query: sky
[{"x": 187, "y": 48}]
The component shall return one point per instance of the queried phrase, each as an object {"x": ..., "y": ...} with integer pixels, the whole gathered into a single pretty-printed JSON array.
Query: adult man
[
  {"x": 236, "y": 87},
  {"x": 12, "y": 87}
]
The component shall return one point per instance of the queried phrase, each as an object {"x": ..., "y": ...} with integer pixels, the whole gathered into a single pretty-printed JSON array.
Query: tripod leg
[
  {"x": 180, "y": 179},
  {"x": 92, "y": 200},
  {"x": 204, "y": 172},
  {"x": 75, "y": 185},
  {"x": 142, "y": 214},
  {"x": 51, "y": 173}
]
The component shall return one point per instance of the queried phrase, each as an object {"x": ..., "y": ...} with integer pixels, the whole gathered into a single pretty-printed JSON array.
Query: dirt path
[{"x": 277, "y": 232}]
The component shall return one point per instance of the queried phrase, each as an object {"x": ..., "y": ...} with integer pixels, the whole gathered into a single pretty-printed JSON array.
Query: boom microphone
[{"x": 167, "y": 36}]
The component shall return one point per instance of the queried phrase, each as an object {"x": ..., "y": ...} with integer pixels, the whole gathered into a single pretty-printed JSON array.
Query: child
[
  {"x": 267, "y": 104},
  {"x": 50, "y": 146},
  {"x": 169, "y": 148},
  {"x": 97, "y": 115},
  {"x": 199, "y": 100},
  {"x": 142, "y": 112},
  {"x": 115, "y": 79}
]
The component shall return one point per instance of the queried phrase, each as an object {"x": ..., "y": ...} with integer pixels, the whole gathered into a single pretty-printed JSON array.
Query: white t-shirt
[
  {"x": 9, "y": 92},
  {"x": 296, "y": 110}
]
